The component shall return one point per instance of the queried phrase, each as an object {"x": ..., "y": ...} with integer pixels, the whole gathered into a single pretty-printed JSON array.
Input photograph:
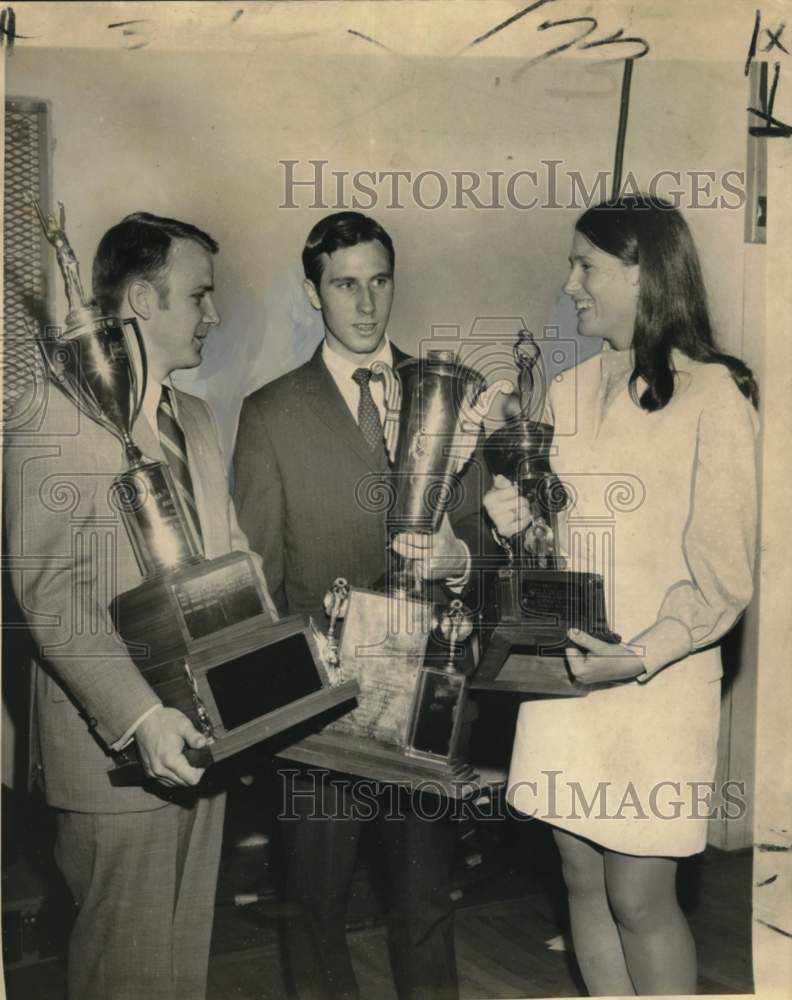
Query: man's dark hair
[
  {"x": 138, "y": 248},
  {"x": 343, "y": 229}
]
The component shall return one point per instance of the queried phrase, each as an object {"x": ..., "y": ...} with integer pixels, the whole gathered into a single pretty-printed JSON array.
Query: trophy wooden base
[
  {"x": 239, "y": 675},
  {"x": 412, "y": 722},
  {"x": 505, "y": 667},
  {"x": 534, "y": 609},
  {"x": 545, "y": 603},
  {"x": 161, "y": 619},
  {"x": 368, "y": 759}
]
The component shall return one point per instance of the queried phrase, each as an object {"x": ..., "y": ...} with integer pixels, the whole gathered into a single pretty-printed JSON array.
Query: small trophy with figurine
[{"x": 536, "y": 599}]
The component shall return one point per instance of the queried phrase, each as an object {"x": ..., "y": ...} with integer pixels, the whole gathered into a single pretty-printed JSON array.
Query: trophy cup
[
  {"x": 412, "y": 718},
  {"x": 536, "y": 599},
  {"x": 201, "y": 631}
]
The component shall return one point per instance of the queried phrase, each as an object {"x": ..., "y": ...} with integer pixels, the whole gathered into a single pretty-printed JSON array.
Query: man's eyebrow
[
  {"x": 339, "y": 278},
  {"x": 203, "y": 288}
]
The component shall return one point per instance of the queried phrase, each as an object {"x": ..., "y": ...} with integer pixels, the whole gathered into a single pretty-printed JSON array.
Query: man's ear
[
  {"x": 140, "y": 295},
  {"x": 312, "y": 293}
]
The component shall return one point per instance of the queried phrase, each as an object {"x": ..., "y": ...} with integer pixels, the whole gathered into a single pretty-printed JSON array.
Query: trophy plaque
[
  {"x": 203, "y": 632},
  {"x": 413, "y": 717},
  {"x": 535, "y": 598}
]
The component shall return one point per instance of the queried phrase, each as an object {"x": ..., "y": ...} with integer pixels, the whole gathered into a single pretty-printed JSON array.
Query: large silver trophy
[
  {"x": 99, "y": 363},
  {"x": 536, "y": 598},
  {"x": 201, "y": 631},
  {"x": 412, "y": 718}
]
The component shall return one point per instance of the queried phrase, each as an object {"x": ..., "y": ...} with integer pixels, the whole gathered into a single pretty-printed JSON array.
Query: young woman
[{"x": 656, "y": 440}]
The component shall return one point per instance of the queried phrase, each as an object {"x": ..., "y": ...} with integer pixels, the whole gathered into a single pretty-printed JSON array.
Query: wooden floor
[
  {"x": 501, "y": 942},
  {"x": 510, "y": 905}
]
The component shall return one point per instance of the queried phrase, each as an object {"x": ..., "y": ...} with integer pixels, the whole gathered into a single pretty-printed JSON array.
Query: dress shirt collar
[
  {"x": 342, "y": 369},
  {"x": 151, "y": 400}
]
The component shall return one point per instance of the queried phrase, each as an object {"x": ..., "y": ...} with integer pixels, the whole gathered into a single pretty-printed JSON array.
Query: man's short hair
[
  {"x": 138, "y": 248},
  {"x": 343, "y": 229}
]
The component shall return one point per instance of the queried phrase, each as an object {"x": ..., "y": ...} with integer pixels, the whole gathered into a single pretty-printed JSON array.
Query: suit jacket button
[{"x": 92, "y": 723}]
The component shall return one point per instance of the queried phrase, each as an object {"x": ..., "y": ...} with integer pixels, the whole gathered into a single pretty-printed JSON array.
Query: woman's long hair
[{"x": 672, "y": 302}]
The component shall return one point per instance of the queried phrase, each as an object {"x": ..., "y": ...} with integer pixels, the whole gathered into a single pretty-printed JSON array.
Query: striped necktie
[
  {"x": 175, "y": 448},
  {"x": 368, "y": 415}
]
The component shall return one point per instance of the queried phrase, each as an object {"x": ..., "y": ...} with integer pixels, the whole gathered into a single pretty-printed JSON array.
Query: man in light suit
[
  {"x": 140, "y": 862},
  {"x": 308, "y": 457}
]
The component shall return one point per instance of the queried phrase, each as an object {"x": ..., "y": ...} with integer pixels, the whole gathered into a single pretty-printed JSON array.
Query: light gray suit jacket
[{"x": 70, "y": 556}]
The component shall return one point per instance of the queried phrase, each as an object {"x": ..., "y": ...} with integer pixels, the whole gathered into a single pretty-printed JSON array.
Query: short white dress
[{"x": 664, "y": 506}]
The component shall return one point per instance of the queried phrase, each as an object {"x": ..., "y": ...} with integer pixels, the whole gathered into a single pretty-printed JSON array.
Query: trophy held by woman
[{"x": 536, "y": 598}]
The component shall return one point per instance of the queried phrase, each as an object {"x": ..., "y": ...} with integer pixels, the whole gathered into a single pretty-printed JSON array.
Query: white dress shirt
[{"x": 342, "y": 370}]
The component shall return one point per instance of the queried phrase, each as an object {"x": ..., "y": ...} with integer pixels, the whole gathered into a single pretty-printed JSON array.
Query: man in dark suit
[
  {"x": 141, "y": 862},
  {"x": 308, "y": 456}
]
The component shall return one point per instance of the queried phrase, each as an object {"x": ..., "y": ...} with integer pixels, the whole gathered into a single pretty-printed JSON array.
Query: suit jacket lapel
[
  {"x": 213, "y": 518},
  {"x": 326, "y": 401},
  {"x": 398, "y": 357}
]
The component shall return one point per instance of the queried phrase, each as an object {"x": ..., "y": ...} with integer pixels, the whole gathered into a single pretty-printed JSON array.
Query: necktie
[
  {"x": 368, "y": 415},
  {"x": 173, "y": 444}
]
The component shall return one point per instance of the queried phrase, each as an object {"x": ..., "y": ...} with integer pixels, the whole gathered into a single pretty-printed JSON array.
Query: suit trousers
[
  {"x": 144, "y": 884},
  {"x": 321, "y": 826}
]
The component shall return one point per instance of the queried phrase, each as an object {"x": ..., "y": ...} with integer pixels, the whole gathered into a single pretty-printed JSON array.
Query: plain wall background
[{"x": 200, "y": 136}]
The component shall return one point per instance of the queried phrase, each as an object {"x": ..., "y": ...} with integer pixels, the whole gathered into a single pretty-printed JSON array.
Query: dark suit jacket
[{"x": 306, "y": 488}]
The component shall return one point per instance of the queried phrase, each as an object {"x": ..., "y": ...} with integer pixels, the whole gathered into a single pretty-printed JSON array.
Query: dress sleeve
[{"x": 720, "y": 537}]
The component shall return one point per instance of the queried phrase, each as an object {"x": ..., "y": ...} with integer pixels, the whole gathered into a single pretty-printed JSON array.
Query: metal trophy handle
[
  {"x": 475, "y": 404},
  {"x": 92, "y": 367},
  {"x": 56, "y": 355},
  {"x": 336, "y": 601},
  {"x": 138, "y": 362}
]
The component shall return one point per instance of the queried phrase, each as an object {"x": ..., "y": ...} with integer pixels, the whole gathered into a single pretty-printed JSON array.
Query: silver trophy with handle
[
  {"x": 409, "y": 726},
  {"x": 201, "y": 631}
]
